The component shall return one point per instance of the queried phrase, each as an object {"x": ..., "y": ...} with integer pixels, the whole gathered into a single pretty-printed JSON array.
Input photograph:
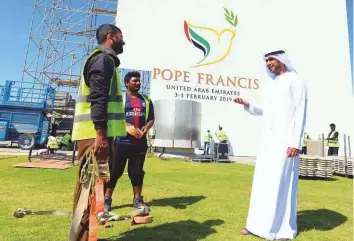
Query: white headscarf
[{"x": 282, "y": 58}]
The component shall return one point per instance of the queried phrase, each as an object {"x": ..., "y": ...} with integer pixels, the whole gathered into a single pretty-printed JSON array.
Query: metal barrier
[{"x": 221, "y": 152}]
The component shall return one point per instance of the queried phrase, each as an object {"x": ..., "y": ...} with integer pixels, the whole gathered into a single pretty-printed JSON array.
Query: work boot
[
  {"x": 108, "y": 203},
  {"x": 138, "y": 202}
]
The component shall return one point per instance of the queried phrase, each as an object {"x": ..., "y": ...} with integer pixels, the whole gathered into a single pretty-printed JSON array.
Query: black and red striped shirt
[{"x": 135, "y": 113}]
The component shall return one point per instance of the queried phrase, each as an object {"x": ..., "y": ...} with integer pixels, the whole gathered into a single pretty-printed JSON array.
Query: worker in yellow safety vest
[
  {"x": 99, "y": 118},
  {"x": 332, "y": 141},
  {"x": 221, "y": 134},
  {"x": 65, "y": 140},
  {"x": 304, "y": 143},
  {"x": 207, "y": 139},
  {"x": 52, "y": 144}
]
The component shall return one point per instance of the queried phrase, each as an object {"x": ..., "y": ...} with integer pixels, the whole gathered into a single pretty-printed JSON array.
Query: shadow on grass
[
  {"x": 331, "y": 179},
  {"x": 188, "y": 230},
  {"x": 176, "y": 202},
  {"x": 321, "y": 219}
]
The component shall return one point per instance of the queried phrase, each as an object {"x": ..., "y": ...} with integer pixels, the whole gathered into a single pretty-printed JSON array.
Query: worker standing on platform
[
  {"x": 304, "y": 144},
  {"x": 99, "y": 116},
  {"x": 332, "y": 141},
  {"x": 221, "y": 134},
  {"x": 207, "y": 139},
  {"x": 139, "y": 116}
]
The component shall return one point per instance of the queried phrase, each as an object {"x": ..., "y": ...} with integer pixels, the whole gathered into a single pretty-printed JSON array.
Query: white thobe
[{"x": 273, "y": 205}]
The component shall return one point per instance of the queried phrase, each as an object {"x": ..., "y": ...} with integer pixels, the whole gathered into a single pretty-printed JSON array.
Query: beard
[{"x": 118, "y": 48}]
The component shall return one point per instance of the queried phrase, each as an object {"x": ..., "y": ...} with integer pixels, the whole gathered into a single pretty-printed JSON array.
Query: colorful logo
[{"x": 201, "y": 43}]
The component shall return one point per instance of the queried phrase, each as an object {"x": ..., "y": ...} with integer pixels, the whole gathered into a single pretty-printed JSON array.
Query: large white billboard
[{"x": 202, "y": 54}]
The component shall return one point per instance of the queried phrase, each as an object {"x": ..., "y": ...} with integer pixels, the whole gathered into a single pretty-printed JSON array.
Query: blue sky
[{"x": 15, "y": 20}]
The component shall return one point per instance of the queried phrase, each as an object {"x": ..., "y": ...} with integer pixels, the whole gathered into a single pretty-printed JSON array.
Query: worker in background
[
  {"x": 207, "y": 139},
  {"x": 221, "y": 134},
  {"x": 99, "y": 116},
  {"x": 52, "y": 144},
  {"x": 65, "y": 140},
  {"x": 304, "y": 144},
  {"x": 332, "y": 141},
  {"x": 139, "y": 116}
]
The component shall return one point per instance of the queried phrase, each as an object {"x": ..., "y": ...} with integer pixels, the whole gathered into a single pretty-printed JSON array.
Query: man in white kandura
[{"x": 273, "y": 205}]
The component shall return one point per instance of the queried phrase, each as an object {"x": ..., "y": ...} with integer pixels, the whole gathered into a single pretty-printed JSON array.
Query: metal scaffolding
[{"x": 62, "y": 35}]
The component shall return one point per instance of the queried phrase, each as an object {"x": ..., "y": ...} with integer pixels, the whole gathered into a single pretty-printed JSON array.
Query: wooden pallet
[{"x": 314, "y": 166}]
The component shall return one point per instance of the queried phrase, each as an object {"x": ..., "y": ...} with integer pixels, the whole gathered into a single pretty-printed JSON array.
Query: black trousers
[
  {"x": 135, "y": 155},
  {"x": 304, "y": 150},
  {"x": 333, "y": 151}
]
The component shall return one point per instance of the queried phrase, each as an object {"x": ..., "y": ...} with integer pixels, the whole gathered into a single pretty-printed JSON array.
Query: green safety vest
[
  {"x": 207, "y": 138},
  {"x": 83, "y": 127},
  {"x": 304, "y": 142},
  {"x": 65, "y": 139},
  {"x": 147, "y": 104},
  {"x": 58, "y": 138},
  {"x": 222, "y": 135},
  {"x": 332, "y": 143}
]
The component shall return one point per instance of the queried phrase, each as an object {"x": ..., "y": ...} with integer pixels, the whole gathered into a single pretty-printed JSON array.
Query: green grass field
[{"x": 189, "y": 202}]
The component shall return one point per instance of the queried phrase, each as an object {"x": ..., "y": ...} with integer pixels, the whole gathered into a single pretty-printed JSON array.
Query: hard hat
[{"x": 133, "y": 131}]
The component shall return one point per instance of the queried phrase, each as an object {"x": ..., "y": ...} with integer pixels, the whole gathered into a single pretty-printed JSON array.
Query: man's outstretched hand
[
  {"x": 101, "y": 150},
  {"x": 292, "y": 152},
  {"x": 241, "y": 101}
]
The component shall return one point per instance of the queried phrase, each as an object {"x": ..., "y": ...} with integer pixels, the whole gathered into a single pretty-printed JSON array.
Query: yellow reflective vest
[
  {"x": 52, "y": 143},
  {"x": 304, "y": 142},
  {"x": 222, "y": 135},
  {"x": 207, "y": 137},
  {"x": 83, "y": 127},
  {"x": 332, "y": 143},
  {"x": 65, "y": 139}
]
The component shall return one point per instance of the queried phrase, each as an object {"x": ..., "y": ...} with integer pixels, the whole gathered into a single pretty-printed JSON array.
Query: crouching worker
[
  {"x": 52, "y": 144},
  {"x": 99, "y": 117},
  {"x": 139, "y": 116}
]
